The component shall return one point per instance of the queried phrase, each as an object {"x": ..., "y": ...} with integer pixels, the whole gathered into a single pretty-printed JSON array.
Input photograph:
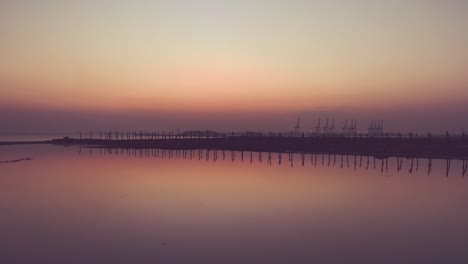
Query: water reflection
[
  {"x": 162, "y": 206},
  {"x": 324, "y": 159}
]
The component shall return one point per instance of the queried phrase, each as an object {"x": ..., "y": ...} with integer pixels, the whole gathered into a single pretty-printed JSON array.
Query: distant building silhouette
[
  {"x": 318, "y": 128},
  {"x": 326, "y": 128},
  {"x": 344, "y": 130},
  {"x": 331, "y": 130},
  {"x": 297, "y": 128},
  {"x": 376, "y": 128}
]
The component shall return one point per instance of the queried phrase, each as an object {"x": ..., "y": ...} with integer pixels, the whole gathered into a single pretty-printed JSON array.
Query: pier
[{"x": 439, "y": 147}]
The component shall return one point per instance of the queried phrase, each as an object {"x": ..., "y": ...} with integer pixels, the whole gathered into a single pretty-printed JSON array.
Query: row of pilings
[
  {"x": 324, "y": 159},
  {"x": 143, "y": 135},
  {"x": 435, "y": 147}
]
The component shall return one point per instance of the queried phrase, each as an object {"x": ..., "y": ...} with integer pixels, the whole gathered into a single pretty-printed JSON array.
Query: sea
[{"x": 94, "y": 205}]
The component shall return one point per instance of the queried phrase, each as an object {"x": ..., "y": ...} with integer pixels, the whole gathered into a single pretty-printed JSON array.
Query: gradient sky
[{"x": 232, "y": 64}]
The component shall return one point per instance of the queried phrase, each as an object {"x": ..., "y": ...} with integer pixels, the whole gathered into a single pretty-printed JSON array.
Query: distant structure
[
  {"x": 326, "y": 128},
  {"x": 351, "y": 129},
  {"x": 318, "y": 128},
  {"x": 297, "y": 128},
  {"x": 329, "y": 127},
  {"x": 331, "y": 130},
  {"x": 344, "y": 130},
  {"x": 372, "y": 128},
  {"x": 376, "y": 128}
]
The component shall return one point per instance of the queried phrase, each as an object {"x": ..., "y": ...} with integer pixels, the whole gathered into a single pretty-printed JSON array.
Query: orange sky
[{"x": 232, "y": 55}]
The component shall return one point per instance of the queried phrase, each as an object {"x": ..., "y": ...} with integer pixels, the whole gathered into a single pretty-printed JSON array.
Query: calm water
[
  {"x": 35, "y": 136},
  {"x": 64, "y": 206}
]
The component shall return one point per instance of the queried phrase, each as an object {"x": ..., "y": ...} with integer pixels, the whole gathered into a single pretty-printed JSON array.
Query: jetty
[{"x": 439, "y": 147}]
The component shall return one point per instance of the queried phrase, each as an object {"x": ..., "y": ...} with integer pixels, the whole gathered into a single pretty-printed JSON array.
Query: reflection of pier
[{"x": 355, "y": 162}]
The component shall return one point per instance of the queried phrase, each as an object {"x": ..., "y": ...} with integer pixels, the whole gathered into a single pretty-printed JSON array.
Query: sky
[{"x": 232, "y": 65}]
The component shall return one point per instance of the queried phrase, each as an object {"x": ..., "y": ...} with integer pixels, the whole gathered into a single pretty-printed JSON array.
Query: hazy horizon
[{"x": 405, "y": 120}]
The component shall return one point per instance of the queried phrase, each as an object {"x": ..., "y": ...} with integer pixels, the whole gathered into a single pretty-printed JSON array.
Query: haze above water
[{"x": 64, "y": 206}]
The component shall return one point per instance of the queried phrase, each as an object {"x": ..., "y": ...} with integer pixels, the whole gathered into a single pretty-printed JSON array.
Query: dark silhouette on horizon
[{"x": 373, "y": 143}]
